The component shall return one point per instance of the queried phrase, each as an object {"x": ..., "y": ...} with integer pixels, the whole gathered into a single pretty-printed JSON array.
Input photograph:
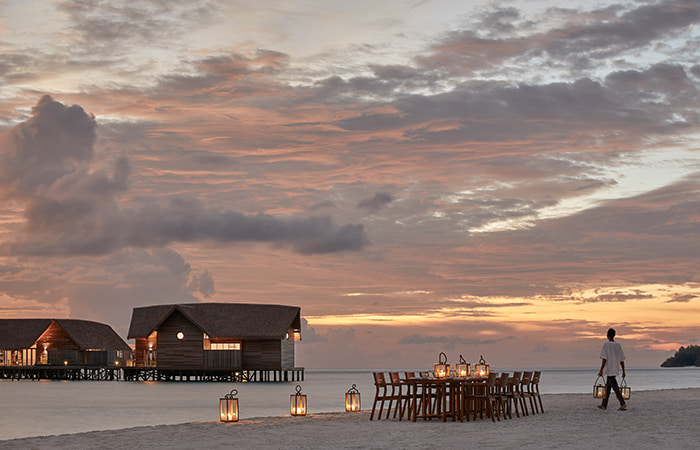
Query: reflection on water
[{"x": 34, "y": 408}]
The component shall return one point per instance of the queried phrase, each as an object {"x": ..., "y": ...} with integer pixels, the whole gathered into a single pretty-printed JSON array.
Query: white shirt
[{"x": 613, "y": 354}]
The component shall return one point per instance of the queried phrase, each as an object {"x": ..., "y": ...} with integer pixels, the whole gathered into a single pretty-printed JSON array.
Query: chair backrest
[
  {"x": 527, "y": 377},
  {"x": 379, "y": 379},
  {"x": 536, "y": 377},
  {"x": 424, "y": 374},
  {"x": 493, "y": 376},
  {"x": 395, "y": 378},
  {"x": 409, "y": 375},
  {"x": 515, "y": 379},
  {"x": 504, "y": 380}
]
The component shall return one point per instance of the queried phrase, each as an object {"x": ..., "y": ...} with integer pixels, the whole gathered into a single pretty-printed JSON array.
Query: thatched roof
[
  {"x": 23, "y": 333},
  {"x": 221, "y": 320}
]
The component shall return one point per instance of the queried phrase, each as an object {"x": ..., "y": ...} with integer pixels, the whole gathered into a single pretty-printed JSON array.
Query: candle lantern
[
  {"x": 598, "y": 389},
  {"x": 463, "y": 369},
  {"x": 625, "y": 390},
  {"x": 441, "y": 369},
  {"x": 297, "y": 403},
  {"x": 352, "y": 399},
  {"x": 481, "y": 369},
  {"x": 228, "y": 407}
]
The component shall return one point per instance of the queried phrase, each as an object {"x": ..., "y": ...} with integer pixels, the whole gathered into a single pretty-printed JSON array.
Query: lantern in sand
[
  {"x": 463, "y": 369},
  {"x": 352, "y": 399},
  {"x": 598, "y": 389},
  {"x": 481, "y": 369},
  {"x": 297, "y": 403},
  {"x": 441, "y": 369},
  {"x": 625, "y": 390},
  {"x": 228, "y": 407}
]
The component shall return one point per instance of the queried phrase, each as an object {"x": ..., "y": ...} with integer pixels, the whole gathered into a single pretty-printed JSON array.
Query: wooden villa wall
[
  {"x": 140, "y": 351},
  {"x": 179, "y": 354},
  {"x": 262, "y": 354},
  {"x": 61, "y": 348},
  {"x": 288, "y": 351}
]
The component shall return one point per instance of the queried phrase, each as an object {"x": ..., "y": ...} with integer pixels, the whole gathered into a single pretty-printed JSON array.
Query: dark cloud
[
  {"x": 377, "y": 202},
  {"x": 498, "y": 36},
  {"x": 678, "y": 298},
  {"x": 449, "y": 341},
  {"x": 493, "y": 112},
  {"x": 116, "y": 25},
  {"x": 56, "y": 141},
  {"x": 203, "y": 284},
  {"x": 72, "y": 211},
  {"x": 309, "y": 334},
  {"x": 323, "y": 204},
  {"x": 541, "y": 348},
  {"x": 618, "y": 297}
]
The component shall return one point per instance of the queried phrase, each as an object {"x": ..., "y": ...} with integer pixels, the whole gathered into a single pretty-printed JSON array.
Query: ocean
[{"x": 39, "y": 408}]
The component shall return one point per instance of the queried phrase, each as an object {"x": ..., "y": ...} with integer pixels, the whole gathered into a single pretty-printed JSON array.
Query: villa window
[{"x": 225, "y": 345}]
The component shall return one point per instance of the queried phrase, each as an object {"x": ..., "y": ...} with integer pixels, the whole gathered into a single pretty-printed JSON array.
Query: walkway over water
[{"x": 77, "y": 373}]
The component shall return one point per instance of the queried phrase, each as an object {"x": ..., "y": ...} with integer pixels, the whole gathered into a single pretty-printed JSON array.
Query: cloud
[
  {"x": 449, "y": 341},
  {"x": 55, "y": 142},
  {"x": 203, "y": 284},
  {"x": 71, "y": 210},
  {"x": 540, "y": 348},
  {"x": 309, "y": 334},
  {"x": 501, "y": 37},
  {"x": 678, "y": 298},
  {"x": 377, "y": 202}
]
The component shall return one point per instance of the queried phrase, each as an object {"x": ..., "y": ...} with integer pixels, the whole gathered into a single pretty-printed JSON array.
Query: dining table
[{"x": 440, "y": 397}]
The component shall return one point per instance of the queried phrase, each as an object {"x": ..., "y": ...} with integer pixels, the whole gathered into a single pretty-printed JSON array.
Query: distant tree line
[{"x": 685, "y": 356}]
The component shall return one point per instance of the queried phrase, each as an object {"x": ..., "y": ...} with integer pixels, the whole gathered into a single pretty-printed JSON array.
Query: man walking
[{"x": 612, "y": 358}]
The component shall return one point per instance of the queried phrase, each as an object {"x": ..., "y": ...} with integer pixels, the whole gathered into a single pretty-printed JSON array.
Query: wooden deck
[
  {"x": 240, "y": 375},
  {"x": 81, "y": 373},
  {"x": 76, "y": 373}
]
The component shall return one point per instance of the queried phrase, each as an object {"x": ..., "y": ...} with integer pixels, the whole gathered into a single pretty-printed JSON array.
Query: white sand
[{"x": 667, "y": 419}]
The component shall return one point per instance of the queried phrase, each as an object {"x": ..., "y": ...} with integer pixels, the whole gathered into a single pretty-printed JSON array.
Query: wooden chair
[
  {"x": 500, "y": 396},
  {"x": 380, "y": 396},
  {"x": 410, "y": 408},
  {"x": 524, "y": 389},
  {"x": 396, "y": 398},
  {"x": 535, "y": 390},
  {"x": 513, "y": 393},
  {"x": 480, "y": 399}
]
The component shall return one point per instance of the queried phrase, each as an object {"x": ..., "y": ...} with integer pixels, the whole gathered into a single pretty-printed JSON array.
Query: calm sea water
[{"x": 37, "y": 408}]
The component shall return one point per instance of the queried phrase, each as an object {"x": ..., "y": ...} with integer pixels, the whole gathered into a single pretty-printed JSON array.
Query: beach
[{"x": 654, "y": 419}]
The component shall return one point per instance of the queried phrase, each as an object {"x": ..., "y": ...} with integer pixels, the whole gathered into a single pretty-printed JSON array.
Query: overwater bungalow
[
  {"x": 212, "y": 341},
  {"x": 42, "y": 343}
]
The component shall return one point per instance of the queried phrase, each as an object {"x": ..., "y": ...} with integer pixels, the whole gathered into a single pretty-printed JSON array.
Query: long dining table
[{"x": 439, "y": 398}]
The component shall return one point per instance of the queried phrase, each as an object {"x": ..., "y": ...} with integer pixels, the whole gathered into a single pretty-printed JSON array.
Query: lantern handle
[
  {"x": 481, "y": 360},
  {"x": 231, "y": 394},
  {"x": 298, "y": 389},
  {"x": 442, "y": 354},
  {"x": 353, "y": 390},
  {"x": 461, "y": 359}
]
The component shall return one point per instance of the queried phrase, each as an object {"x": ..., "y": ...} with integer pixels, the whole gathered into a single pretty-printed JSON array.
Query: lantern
[
  {"x": 463, "y": 369},
  {"x": 481, "y": 369},
  {"x": 297, "y": 403},
  {"x": 352, "y": 399},
  {"x": 228, "y": 407},
  {"x": 625, "y": 390},
  {"x": 598, "y": 389},
  {"x": 441, "y": 369}
]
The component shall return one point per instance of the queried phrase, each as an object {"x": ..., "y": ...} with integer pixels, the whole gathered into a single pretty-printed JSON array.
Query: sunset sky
[{"x": 506, "y": 179}]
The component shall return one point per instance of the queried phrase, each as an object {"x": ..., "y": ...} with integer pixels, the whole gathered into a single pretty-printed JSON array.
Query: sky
[{"x": 506, "y": 179}]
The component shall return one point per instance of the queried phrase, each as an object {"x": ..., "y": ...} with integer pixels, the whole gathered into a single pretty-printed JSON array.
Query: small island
[{"x": 684, "y": 357}]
